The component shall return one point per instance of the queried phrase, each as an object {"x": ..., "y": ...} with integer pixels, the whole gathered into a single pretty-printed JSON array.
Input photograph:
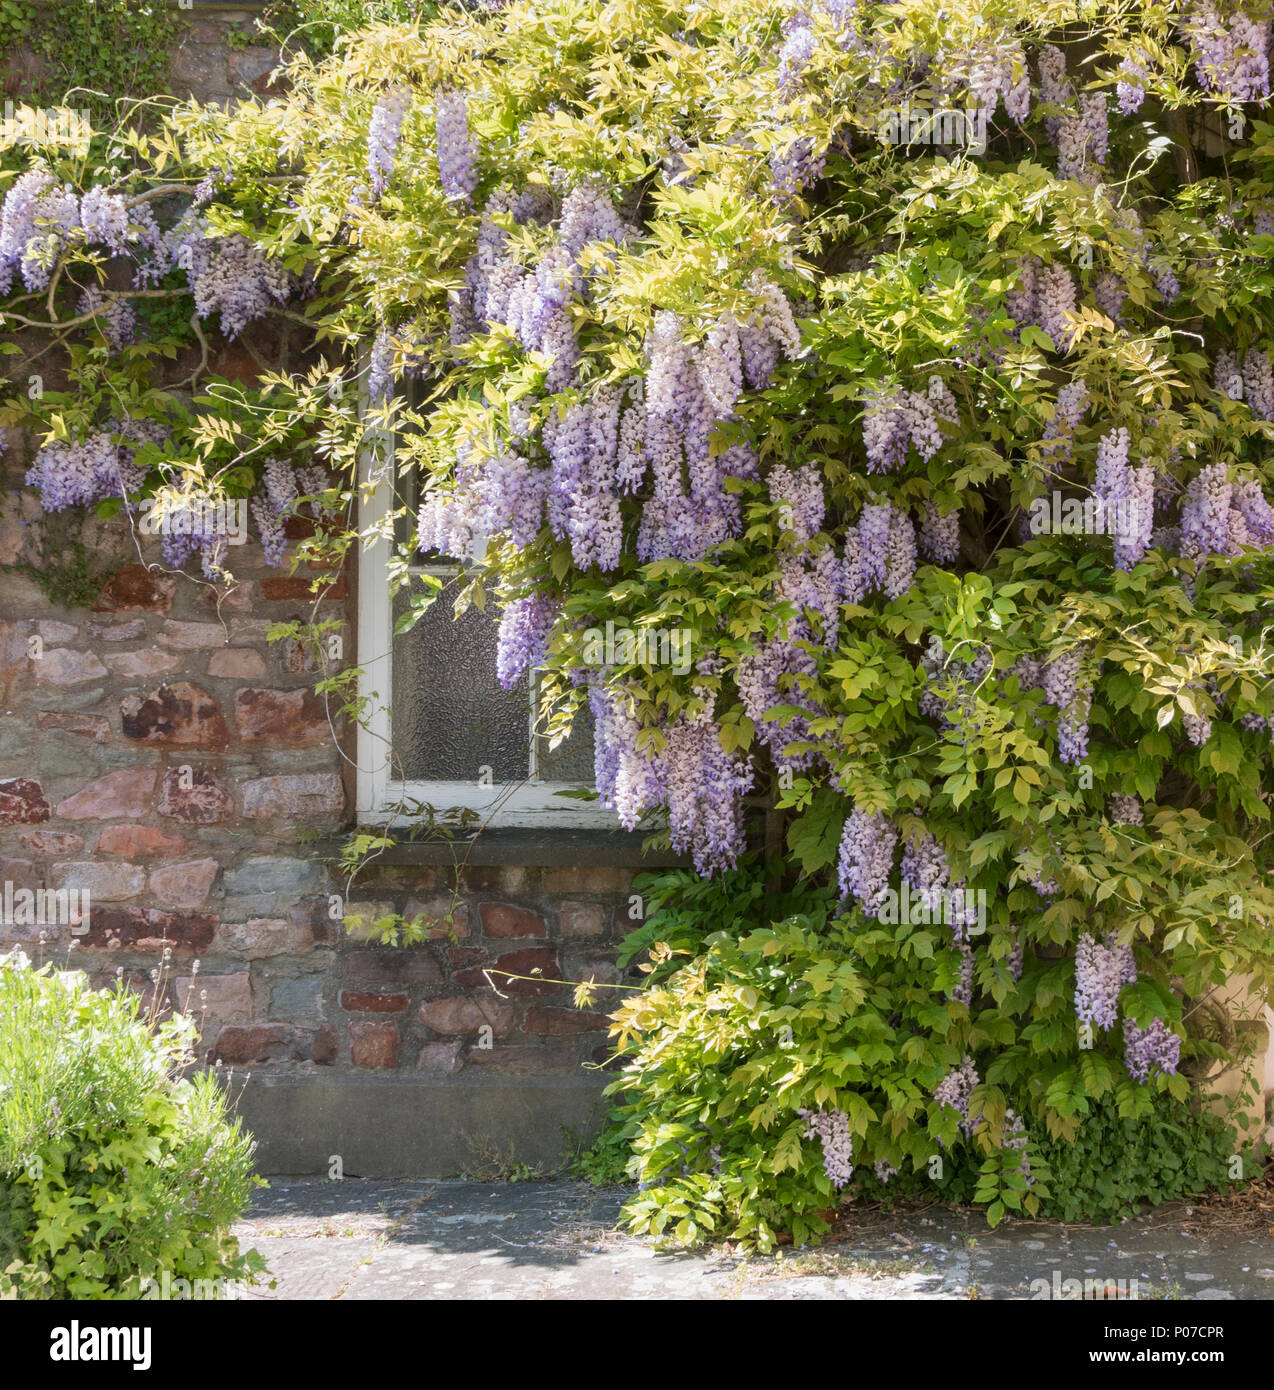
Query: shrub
[
  {"x": 744, "y": 1048},
  {"x": 114, "y": 1168}
]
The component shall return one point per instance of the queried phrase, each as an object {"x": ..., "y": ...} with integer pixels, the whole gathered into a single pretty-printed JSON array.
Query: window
[{"x": 450, "y": 735}]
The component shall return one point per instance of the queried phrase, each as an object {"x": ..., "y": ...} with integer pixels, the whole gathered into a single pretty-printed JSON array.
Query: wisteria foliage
[{"x": 703, "y": 351}]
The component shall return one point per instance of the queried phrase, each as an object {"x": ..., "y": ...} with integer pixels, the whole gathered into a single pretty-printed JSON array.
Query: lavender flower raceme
[
  {"x": 954, "y": 1090},
  {"x": 798, "y": 48},
  {"x": 1125, "y": 810},
  {"x": 1109, "y": 294},
  {"x": 1102, "y": 969},
  {"x": 232, "y": 277},
  {"x": 1056, "y": 300},
  {"x": 1258, "y": 383},
  {"x": 1068, "y": 413},
  {"x": 1022, "y": 300},
  {"x": 866, "y": 858},
  {"x": 1055, "y": 87},
  {"x": 1070, "y": 688},
  {"x": 900, "y": 555},
  {"x": 963, "y": 991},
  {"x": 1151, "y": 1051},
  {"x": 798, "y": 494},
  {"x": 522, "y": 643},
  {"x": 380, "y": 368},
  {"x": 940, "y": 536},
  {"x": 38, "y": 220},
  {"x": 831, "y": 1129},
  {"x": 457, "y": 149},
  {"x": 1205, "y": 512},
  {"x": 384, "y": 133},
  {"x": 1131, "y": 80},
  {"x": 114, "y": 316}
]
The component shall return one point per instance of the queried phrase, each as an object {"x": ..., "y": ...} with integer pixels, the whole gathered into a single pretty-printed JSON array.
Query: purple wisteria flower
[
  {"x": 954, "y": 1090},
  {"x": 522, "y": 643},
  {"x": 383, "y": 134},
  {"x": 457, "y": 149},
  {"x": 831, "y": 1129},
  {"x": 866, "y": 858},
  {"x": 1102, "y": 969},
  {"x": 1151, "y": 1051}
]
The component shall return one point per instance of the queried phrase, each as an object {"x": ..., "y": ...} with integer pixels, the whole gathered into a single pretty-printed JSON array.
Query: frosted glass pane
[
  {"x": 571, "y": 761},
  {"x": 450, "y": 716}
]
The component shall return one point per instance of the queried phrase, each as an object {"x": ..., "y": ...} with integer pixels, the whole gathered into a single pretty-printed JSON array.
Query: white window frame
[{"x": 533, "y": 804}]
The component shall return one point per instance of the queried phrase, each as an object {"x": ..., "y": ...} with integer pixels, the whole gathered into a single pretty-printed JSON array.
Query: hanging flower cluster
[
  {"x": 831, "y": 1129},
  {"x": 1102, "y": 969}
]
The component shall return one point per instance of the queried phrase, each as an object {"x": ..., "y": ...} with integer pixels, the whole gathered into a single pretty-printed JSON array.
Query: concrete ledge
[
  {"x": 416, "y": 1127},
  {"x": 532, "y": 848}
]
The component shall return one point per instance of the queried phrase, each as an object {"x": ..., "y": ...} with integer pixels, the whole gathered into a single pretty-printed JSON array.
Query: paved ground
[{"x": 360, "y": 1239}]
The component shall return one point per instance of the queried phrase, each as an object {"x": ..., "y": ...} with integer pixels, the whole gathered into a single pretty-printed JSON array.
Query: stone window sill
[{"x": 528, "y": 849}]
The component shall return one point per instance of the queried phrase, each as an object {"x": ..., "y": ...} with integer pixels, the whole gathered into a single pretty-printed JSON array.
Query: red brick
[
  {"x": 324, "y": 1048},
  {"x": 562, "y": 1023},
  {"x": 280, "y": 588},
  {"x": 138, "y": 841},
  {"x": 583, "y": 878},
  {"x": 286, "y": 716},
  {"x": 118, "y": 794},
  {"x": 467, "y": 1015},
  {"x": 136, "y": 587},
  {"x": 581, "y": 919},
  {"x": 204, "y": 802},
  {"x": 374, "y": 1046},
  {"x": 355, "y": 1001},
  {"x": 467, "y": 955},
  {"x": 147, "y": 929},
  {"x": 531, "y": 960},
  {"x": 22, "y": 802},
  {"x": 262, "y": 1042},
  {"x": 502, "y": 920},
  {"x": 392, "y": 968},
  {"x": 180, "y": 714}
]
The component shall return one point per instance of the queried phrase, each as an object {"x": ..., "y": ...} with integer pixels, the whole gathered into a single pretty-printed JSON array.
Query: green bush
[
  {"x": 114, "y": 1168},
  {"x": 742, "y": 1031},
  {"x": 1115, "y": 1164}
]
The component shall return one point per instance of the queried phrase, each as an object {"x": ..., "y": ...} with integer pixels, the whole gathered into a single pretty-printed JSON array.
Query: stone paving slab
[{"x": 363, "y": 1240}]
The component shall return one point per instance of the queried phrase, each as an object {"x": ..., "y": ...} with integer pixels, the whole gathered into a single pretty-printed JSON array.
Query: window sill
[{"x": 533, "y": 848}]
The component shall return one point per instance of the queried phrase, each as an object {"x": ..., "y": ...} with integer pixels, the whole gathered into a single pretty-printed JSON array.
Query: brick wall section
[{"x": 160, "y": 753}]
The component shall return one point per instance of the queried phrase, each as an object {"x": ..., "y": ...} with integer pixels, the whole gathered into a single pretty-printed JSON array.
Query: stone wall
[
  {"x": 215, "y": 56},
  {"x": 157, "y": 751}
]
